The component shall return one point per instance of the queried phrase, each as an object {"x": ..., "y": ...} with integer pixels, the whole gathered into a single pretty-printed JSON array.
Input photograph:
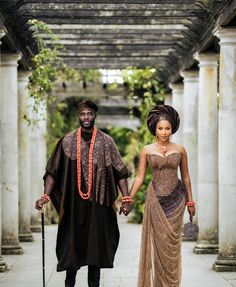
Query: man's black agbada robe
[{"x": 88, "y": 233}]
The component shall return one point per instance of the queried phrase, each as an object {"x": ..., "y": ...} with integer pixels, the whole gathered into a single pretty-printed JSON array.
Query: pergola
[
  {"x": 195, "y": 40},
  {"x": 116, "y": 34}
]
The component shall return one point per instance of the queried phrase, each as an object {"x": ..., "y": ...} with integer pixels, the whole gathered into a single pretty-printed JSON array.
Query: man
[{"x": 81, "y": 179}]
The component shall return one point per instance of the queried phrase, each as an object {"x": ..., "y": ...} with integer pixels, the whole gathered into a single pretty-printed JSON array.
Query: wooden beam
[
  {"x": 115, "y": 61},
  {"x": 115, "y": 42},
  {"x": 61, "y": 19},
  {"x": 114, "y": 28},
  {"x": 119, "y": 48},
  {"x": 105, "y": 53},
  {"x": 83, "y": 36},
  {"x": 88, "y": 6},
  {"x": 175, "y": 2},
  {"x": 110, "y": 65},
  {"x": 44, "y": 12}
]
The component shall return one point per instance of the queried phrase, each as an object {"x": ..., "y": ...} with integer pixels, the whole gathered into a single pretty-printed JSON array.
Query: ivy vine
[{"x": 48, "y": 67}]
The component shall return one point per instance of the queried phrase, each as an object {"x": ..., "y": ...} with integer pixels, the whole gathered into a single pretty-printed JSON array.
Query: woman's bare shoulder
[
  {"x": 147, "y": 149},
  {"x": 178, "y": 147}
]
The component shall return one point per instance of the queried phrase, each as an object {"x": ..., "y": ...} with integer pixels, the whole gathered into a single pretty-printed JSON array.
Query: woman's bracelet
[
  {"x": 190, "y": 203},
  {"x": 126, "y": 199},
  {"x": 46, "y": 197}
]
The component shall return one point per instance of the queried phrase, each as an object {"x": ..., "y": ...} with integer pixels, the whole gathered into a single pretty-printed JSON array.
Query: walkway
[{"x": 25, "y": 270}]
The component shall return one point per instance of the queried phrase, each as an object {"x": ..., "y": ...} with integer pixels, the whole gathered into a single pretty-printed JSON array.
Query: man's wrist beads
[
  {"x": 127, "y": 199},
  {"x": 46, "y": 197}
]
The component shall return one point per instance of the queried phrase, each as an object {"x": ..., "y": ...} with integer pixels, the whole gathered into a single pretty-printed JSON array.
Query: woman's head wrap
[
  {"x": 87, "y": 104},
  {"x": 164, "y": 112}
]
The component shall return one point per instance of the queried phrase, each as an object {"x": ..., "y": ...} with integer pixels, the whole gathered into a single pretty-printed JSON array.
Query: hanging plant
[
  {"x": 48, "y": 66},
  {"x": 44, "y": 71}
]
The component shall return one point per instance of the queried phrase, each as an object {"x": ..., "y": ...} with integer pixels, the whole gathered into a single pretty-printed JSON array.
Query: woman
[{"x": 167, "y": 196}]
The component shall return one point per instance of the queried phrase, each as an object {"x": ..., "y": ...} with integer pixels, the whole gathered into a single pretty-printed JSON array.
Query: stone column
[
  {"x": 24, "y": 130},
  {"x": 38, "y": 164},
  {"x": 178, "y": 104},
  {"x": 2, "y": 262},
  {"x": 9, "y": 111},
  {"x": 190, "y": 126},
  {"x": 207, "y": 184},
  {"x": 226, "y": 260},
  {"x": 168, "y": 99}
]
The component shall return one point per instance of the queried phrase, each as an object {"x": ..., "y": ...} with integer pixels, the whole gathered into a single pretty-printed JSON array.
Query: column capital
[
  {"x": 2, "y": 32},
  {"x": 207, "y": 59},
  {"x": 168, "y": 99},
  {"x": 177, "y": 87},
  {"x": 190, "y": 76},
  {"x": 227, "y": 36},
  {"x": 23, "y": 76},
  {"x": 10, "y": 59}
]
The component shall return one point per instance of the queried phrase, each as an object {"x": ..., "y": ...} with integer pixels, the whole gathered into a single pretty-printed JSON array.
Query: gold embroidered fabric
[
  {"x": 107, "y": 164},
  {"x": 160, "y": 257},
  {"x": 105, "y": 150}
]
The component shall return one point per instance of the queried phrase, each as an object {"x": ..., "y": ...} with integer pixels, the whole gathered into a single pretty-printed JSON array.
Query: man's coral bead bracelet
[{"x": 46, "y": 197}]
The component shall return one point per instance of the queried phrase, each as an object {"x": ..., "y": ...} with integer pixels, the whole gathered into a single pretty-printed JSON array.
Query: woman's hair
[
  {"x": 165, "y": 118},
  {"x": 163, "y": 112}
]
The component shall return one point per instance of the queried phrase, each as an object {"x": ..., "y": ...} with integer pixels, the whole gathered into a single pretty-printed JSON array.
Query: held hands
[
  {"x": 41, "y": 201},
  {"x": 126, "y": 205},
  {"x": 125, "y": 208}
]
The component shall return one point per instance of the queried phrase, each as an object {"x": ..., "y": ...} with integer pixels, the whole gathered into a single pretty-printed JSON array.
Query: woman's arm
[
  {"x": 186, "y": 180},
  {"x": 185, "y": 174},
  {"x": 142, "y": 167}
]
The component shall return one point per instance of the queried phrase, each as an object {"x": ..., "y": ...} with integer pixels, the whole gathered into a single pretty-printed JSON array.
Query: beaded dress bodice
[{"x": 164, "y": 172}]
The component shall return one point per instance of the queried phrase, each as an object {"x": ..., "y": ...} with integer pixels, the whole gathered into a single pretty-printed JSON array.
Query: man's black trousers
[{"x": 93, "y": 277}]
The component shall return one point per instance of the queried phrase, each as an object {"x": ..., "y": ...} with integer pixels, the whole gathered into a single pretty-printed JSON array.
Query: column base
[
  {"x": 224, "y": 264},
  {"x": 36, "y": 228},
  {"x": 26, "y": 236},
  {"x": 3, "y": 265},
  {"x": 205, "y": 247},
  {"x": 186, "y": 239},
  {"x": 11, "y": 249}
]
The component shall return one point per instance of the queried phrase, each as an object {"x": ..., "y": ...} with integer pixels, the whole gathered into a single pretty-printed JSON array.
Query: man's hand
[
  {"x": 40, "y": 202},
  {"x": 125, "y": 208}
]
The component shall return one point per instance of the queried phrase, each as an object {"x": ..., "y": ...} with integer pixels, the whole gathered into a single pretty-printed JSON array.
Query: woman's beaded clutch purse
[{"x": 191, "y": 230}]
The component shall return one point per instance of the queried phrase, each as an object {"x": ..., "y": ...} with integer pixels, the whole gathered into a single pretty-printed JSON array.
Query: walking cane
[{"x": 43, "y": 246}]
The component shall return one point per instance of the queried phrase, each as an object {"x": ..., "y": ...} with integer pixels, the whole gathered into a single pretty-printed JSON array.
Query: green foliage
[
  {"x": 143, "y": 84},
  {"x": 112, "y": 87},
  {"x": 45, "y": 69},
  {"x": 56, "y": 126},
  {"x": 48, "y": 66},
  {"x": 121, "y": 137}
]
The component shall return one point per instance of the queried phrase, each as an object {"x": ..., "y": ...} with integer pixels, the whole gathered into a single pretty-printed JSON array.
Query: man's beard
[{"x": 92, "y": 122}]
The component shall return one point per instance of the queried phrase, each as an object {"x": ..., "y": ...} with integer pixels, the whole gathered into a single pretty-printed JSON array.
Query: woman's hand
[{"x": 191, "y": 211}]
